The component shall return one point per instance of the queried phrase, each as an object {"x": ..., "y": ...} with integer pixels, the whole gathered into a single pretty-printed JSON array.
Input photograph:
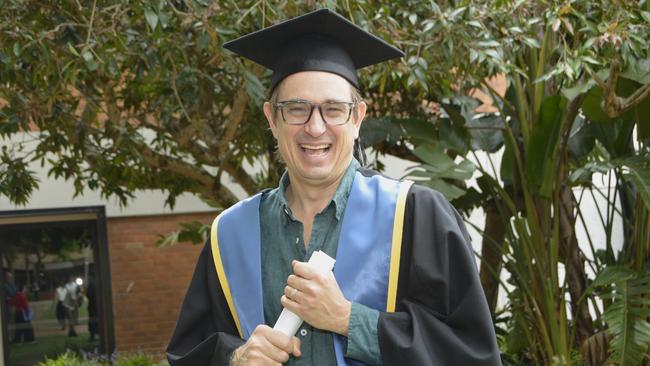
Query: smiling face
[{"x": 315, "y": 153}]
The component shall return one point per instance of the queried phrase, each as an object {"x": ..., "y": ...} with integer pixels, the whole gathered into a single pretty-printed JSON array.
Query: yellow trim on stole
[
  {"x": 396, "y": 250},
  {"x": 221, "y": 274}
]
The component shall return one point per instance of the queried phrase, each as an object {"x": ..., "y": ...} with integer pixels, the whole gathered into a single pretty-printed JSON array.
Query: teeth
[{"x": 315, "y": 147}]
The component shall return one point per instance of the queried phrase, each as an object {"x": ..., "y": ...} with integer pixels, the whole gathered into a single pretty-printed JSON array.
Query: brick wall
[{"x": 148, "y": 282}]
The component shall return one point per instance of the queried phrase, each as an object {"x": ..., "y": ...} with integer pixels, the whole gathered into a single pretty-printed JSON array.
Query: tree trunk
[
  {"x": 491, "y": 252},
  {"x": 574, "y": 262}
]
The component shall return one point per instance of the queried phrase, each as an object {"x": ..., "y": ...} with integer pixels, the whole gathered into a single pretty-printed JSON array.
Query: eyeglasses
[{"x": 298, "y": 112}]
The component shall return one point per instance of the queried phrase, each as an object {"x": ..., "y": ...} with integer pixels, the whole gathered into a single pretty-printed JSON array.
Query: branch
[
  {"x": 236, "y": 114},
  {"x": 613, "y": 105},
  {"x": 156, "y": 160},
  {"x": 234, "y": 119},
  {"x": 241, "y": 176},
  {"x": 209, "y": 188},
  {"x": 90, "y": 24},
  {"x": 636, "y": 97}
]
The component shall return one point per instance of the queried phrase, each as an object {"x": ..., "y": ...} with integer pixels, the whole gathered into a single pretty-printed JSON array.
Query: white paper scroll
[{"x": 288, "y": 322}]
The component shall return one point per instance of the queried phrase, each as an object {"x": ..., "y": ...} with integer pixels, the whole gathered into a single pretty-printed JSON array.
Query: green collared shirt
[{"x": 282, "y": 242}]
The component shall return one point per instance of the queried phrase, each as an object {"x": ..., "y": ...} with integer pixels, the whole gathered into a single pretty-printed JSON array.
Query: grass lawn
[
  {"x": 48, "y": 346},
  {"x": 46, "y": 309}
]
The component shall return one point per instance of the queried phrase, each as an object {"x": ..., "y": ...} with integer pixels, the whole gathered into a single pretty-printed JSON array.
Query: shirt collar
[{"x": 340, "y": 198}]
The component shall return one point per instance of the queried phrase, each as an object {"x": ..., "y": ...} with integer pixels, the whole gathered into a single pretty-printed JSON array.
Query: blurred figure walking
[{"x": 23, "y": 318}]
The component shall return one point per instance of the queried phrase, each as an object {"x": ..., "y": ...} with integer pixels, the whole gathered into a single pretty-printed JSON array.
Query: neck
[{"x": 307, "y": 200}]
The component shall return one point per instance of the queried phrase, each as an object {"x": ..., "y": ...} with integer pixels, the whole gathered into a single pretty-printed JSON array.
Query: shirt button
[
  {"x": 303, "y": 332},
  {"x": 297, "y": 239}
]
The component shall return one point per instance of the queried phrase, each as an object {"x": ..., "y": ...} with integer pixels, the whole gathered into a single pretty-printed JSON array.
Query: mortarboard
[{"x": 320, "y": 40}]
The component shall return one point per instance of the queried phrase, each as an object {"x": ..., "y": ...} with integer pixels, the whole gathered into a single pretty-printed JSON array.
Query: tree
[{"x": 578, "y": 85}]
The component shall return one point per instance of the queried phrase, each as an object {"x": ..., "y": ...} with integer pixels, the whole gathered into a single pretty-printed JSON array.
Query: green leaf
[
  {"x": 378, "y": 130},
  {"x": 419, "y": 130},
  {"x": 486, "y": 132},
  {"x": 254, "y": 87},
  {"x": 434, "y": 155},
  {"x": 626, "y": 316},
  {"x": 87, "y": 56},
  {"x": 450, "y": 191},
  {"x": 638, "y": 171},
  {"x": 645, "y": 15},
  {"x": 454, "y": 136},
  {"x": 638, "y": 70},
  {"x": 151, "y": 17},
  {"x": 581, "y": 138},
  {"x": 437, "y": 168},
  {"x": 577, "y": 89},
  {"x": 541, "y": 147}
]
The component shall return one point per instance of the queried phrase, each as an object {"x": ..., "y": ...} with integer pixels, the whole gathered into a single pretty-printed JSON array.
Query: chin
[{"x": 316, "y": 173}]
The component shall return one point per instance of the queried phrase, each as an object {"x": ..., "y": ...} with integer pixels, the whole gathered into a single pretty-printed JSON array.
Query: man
[
  {"x": 404, "y": 289},
  {"x": 10, "y": 291},
  {"x": 71, "y": 304}
]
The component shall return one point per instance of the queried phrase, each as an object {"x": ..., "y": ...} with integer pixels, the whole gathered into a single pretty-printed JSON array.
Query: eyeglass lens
[{"x": 299, "y": 112}]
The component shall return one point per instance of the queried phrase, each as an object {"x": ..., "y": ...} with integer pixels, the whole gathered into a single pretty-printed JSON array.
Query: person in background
[
  {"x": 10, "y": 291},
  {"x": 59, "y": 298},
  {"x": 71, "y": 303},
  {"x": 36, "y": 290},
  {"x": 93, "y": 323},
  {"x": 23, "y": 318}
]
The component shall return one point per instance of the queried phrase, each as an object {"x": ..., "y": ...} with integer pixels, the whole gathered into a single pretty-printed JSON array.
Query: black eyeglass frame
[{"x": 281, "y": 104}]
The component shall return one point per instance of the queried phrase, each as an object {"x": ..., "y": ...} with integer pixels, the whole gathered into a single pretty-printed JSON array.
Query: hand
[
  {"x": 317, "y": 299},
  {"x": 266, "y": 346}
]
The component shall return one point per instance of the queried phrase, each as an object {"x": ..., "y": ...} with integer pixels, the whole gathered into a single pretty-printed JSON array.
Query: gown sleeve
[
  {"x": 441, "y": 316},
  {"x": 205, "y": 333}
]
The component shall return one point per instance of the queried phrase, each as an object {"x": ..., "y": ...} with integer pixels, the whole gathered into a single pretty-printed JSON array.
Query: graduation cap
[{"x": 320, "y": 40}]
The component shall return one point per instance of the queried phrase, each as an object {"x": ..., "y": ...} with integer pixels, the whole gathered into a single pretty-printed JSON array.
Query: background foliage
[{"x": 130, "y": 96}]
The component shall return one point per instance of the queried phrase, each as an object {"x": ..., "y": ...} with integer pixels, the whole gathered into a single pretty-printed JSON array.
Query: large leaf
[
  {"x": 438, "y": 168},
  {"x": 627, "y": 315},
  {"x": 454, "y": 136},
  {"x": 591, "y": 106},
  {"x": 419, "y": 130},
  {"x": 377, "y": 130},
  {"x": 637, "y": 169},
  {"x": 487, "y": 133},
  {"x": 541, "y": 147},
  {"x": 581, "y": 138}
]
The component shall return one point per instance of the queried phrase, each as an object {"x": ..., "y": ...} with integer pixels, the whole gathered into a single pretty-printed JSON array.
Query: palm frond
[{"x": 627, "y": 316}]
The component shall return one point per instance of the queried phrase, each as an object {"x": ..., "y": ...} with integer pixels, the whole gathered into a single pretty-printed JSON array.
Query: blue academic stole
[{"x": 367, "y": 258}]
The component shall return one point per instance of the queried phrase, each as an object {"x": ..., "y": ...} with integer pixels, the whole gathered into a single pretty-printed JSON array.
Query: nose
[{"x": 316, "y": 126}]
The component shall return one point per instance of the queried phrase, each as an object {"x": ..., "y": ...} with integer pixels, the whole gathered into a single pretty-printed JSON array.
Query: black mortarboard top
[{"x": 318, "y": 41}]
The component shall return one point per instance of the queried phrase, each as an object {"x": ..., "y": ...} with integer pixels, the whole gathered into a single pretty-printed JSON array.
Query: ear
[
  {"x": 268, "y": 112},
  {"x": 362, "y": 107}
]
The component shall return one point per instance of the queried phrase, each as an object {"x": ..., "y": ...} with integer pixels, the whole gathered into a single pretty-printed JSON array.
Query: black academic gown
[{"x": 441, "y": 316}]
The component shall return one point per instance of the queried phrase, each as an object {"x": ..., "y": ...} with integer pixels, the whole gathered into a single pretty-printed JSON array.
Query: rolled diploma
[{"x": 288, "y": 322}]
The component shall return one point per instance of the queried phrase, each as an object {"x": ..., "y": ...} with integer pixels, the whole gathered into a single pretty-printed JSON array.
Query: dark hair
[{"x": 358, "y": 152}]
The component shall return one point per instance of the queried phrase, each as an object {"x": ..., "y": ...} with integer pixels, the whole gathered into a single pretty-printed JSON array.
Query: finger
[
  {"x": 304, "y": 270},
  {"x": 296, "y": 346},
  {"x": 280, "y": 340},
  {"x": 274, "y": 356},
  {"x": 298, "y": 283},
  {"x": 291, "y": 305},
  {"x": 272, "y": 349},
  {"x": 291, "y": 293}
]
